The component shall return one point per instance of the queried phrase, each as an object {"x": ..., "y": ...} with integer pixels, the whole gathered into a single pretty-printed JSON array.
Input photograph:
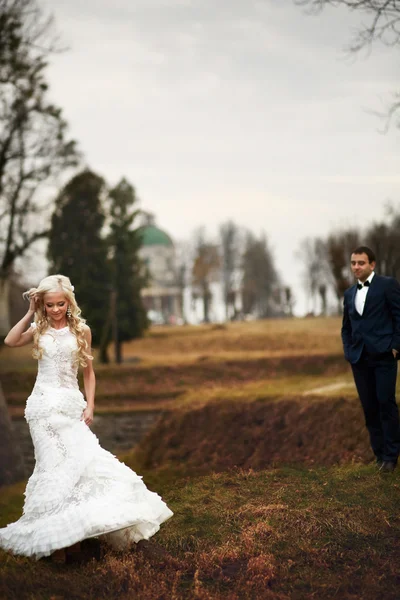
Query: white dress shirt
[{"x": 361, "y": 295}]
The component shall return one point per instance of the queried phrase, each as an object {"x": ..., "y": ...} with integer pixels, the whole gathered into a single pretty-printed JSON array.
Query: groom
[{"x": 371, "y": 341}]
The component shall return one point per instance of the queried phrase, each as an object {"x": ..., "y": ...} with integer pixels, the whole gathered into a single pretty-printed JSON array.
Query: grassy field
[
  {"x": 178, "y": 345},
  {"x": 261, "y": 453},
  {"x": 172, "y": 367}
]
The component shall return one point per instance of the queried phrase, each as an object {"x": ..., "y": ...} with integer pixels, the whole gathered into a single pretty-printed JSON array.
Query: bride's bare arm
[
  {"x": 89, "y": 382},
  {"x": 21, "y": 334}
]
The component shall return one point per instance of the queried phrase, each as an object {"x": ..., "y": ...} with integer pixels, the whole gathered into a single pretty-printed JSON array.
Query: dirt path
[{"x": 332, "y": 387}]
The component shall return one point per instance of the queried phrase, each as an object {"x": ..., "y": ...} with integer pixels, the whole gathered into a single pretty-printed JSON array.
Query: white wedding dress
[{"x": 77, "y": 490}]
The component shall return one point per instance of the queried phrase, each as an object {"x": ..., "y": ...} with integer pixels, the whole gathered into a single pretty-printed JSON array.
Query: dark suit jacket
[{"x": 378, "y": 328}]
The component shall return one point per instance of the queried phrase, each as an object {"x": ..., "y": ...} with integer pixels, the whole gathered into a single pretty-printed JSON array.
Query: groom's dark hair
[{"x": 365, "y": 250}]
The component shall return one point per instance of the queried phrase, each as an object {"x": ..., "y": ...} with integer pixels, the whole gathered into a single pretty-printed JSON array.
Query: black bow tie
[{"x": 361, "y": 285}]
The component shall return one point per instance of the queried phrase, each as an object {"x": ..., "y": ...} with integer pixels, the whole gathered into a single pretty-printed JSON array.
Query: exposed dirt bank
[{"x": 256, "y": 435}]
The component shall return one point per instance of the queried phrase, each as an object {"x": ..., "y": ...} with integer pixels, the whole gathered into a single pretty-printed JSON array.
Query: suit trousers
[{"x": 375, "y": 379}]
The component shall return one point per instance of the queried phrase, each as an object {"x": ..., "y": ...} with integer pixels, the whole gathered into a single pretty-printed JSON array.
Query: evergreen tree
[
  {"x": 128, "y": 315},
  {"x": 77, "y": 248}
]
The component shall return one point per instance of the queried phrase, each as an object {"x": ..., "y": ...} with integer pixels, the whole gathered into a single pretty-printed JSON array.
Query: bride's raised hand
[
  {"x": 33, "y": 303},
  {"x": 87, "y": 416}
]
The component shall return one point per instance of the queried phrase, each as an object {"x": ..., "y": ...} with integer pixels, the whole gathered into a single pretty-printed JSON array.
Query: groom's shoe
[{"x": 387, "y": 467}]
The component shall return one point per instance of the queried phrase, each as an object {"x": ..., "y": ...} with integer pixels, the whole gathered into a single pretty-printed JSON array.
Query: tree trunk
[
  {"x": 324, "y": 303},
  {"x": 12, "y": 467},
  {"x": 206, "y": 304},
  {"x": 114, "y": 328},
  {"x": 105, "y": 334},
  {"x": 339, "y": 305},
  {"x": 103, "y": 347},
  {"x": 118, "y": 352},
  {"x": 5, "y": 324}
]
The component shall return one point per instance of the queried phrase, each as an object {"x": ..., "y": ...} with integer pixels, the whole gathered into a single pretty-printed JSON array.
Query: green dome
[{"x": 152, "y": 236}]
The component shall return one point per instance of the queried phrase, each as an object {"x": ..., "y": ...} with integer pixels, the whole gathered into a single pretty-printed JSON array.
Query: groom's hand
[{"x": 395, "y": 352}]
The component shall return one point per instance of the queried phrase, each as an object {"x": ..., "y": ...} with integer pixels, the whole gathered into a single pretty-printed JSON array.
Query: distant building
[
  {"x": 168, "y": 299},
  {"x": 163, "y": 297}
]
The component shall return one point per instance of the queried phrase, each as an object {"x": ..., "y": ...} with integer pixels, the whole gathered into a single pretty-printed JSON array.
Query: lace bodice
[{"x": 58, "y": 367}]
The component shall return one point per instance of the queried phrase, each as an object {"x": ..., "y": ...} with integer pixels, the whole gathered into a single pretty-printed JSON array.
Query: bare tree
[
  {"x": 323, "y": 291},
  {"x": 382, "y": 24},
  {"x": 384, "y": 238},
  {"x": 229, "y": 234},
  {"x": 316, "y": 272},
  {"x": 259, "y": 277},
  {"x": 33, "y": 144},
  {"x": 288, "y": 300},
  {"x": 340, "y": 246},
  {"x": 206, "y": 265},
  {"x": 183, "y": 271}
]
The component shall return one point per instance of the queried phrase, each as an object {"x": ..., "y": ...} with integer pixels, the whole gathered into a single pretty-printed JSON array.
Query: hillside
[{"x": 264, "y": 459}]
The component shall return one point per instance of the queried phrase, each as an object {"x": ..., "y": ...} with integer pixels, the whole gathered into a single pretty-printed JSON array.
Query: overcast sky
[{"x": 241, "y": 109}]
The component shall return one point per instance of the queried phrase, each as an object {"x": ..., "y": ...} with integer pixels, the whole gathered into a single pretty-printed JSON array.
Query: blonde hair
[{"x": 51, "y": 284}]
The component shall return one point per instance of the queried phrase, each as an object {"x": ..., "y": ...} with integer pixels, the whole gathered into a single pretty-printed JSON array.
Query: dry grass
[
  {"x": 162, "y": 378},
  {"x": 282, "y": 534},
  {"x": 267, "y": 432},
  {"x": 240, "y": 402},
  {"x": 233, "y": 341},
  {"x": 170, "y": 387},
  {"x": 186, "y": 366},
  {"x": 280, "y": 337}
]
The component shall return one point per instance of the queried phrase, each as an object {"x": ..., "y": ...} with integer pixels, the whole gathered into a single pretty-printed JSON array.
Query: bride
[{"x": 77, "y": 490}]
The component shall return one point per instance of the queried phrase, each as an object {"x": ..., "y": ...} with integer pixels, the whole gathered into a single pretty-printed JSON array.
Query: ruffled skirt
[{"x": 77, "y": 490}]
